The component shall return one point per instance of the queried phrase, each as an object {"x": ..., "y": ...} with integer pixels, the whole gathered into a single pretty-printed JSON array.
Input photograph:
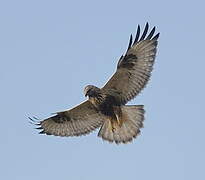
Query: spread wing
[
  {"x": 80, "y": 120},
  {"x": 134, "y": 68}
]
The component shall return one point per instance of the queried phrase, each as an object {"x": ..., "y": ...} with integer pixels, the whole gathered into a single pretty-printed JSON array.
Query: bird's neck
[{"x": 96, "y": 100}]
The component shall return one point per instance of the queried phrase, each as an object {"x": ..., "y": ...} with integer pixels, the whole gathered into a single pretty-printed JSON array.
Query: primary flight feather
[{"x": 105, "y": 107}]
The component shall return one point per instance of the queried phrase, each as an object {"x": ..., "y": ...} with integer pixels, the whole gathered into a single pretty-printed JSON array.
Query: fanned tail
[{"x": 131, "y": 121}]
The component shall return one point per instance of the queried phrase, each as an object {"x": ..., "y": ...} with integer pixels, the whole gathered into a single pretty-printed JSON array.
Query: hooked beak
[{"x": 88, "y": 93}]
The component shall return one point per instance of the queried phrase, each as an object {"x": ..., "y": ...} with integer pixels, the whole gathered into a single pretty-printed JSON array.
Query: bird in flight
[{"x": 106, "y": 107}]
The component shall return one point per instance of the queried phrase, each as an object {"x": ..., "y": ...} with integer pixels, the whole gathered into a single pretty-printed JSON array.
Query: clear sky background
[{"x": 49, "y": 50}]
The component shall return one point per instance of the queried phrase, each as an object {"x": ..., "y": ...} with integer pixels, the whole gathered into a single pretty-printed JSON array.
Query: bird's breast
[{"x": 105, "y": 104}]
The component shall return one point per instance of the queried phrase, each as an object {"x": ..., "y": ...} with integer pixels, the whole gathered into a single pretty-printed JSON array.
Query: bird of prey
[{"x": 106, "y": 107}]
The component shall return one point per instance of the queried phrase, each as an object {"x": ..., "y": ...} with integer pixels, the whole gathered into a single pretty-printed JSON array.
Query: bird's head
[{"x": 91, "y": 91}]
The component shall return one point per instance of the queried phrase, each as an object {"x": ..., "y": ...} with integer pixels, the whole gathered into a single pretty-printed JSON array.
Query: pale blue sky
[{"x": 49, "y": 50}]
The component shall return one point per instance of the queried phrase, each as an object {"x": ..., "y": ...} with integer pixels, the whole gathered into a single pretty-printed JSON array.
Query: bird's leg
[
  {"x": 111, "y": 124},
  {"x": 119, "y": 121},
  {"x": 118, "y": 115},
  {"x": 115, "y": 123},
  {"x": 115, "y": 120}
]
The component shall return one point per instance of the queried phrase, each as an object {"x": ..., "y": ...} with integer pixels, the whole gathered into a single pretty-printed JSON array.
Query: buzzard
[{"x": 106, "y": 107}]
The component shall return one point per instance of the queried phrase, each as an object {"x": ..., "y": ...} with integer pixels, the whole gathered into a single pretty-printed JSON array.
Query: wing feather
[
  {"x": 137, "y": 34},
  {"x": 80, "y": 120},
  {"x": 145, "y": 32},
  {"x": 134, "y": 68}
]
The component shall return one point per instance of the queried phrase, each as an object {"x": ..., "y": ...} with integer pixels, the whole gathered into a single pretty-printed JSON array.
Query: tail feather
[{"x": 132, "y": 120}]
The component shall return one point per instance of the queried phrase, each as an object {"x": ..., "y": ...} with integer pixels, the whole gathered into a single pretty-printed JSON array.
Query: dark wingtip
[
  {"x": 151, "y": 34},
  {"x": 145, "y": 32},
  {"x": 138, "y": 38},
  {"x": 137, "y": 34},
  {"x": 42, "y": 132},
  {"x": 35, "y": 118},
  {"x": 34, "y": 121},
  {"x": 39, "y": 128},
  {"x": 31, "y": 120},
  {"x": 156, "y": 36},
  {"x": 130, "y": 42},
  {"x": 147, "y": 25}
]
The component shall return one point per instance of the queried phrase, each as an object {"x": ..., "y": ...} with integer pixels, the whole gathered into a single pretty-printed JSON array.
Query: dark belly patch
[{"x": 106, "y": 107}]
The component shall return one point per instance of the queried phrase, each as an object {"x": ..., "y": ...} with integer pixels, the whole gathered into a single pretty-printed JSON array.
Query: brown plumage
[{"x": 106, "y": 107}]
